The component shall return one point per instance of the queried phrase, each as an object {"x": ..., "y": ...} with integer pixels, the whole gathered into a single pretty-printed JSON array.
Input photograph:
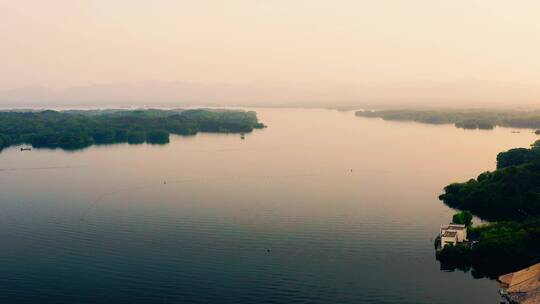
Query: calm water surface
[{"x": 321, "y": 207}]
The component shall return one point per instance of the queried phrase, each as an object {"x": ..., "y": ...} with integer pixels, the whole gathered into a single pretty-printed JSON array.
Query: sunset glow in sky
[{"x": 461, "y": 51}]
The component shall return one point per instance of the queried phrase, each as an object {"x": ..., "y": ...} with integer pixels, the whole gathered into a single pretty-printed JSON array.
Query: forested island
[
  {"x": 466, "y": 119},
  {"x": 510, "y": 198},
  {"x": 76, "y": 129}
]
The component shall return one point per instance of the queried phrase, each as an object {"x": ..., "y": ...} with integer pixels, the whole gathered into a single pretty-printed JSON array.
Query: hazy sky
[{"x": 272, "y": 51}]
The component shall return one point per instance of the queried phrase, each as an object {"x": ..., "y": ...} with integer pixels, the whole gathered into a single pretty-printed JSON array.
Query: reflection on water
[{"x": 321, "y": 207}]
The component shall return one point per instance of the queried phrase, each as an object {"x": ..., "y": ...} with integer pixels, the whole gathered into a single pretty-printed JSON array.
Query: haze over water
[
  {"x": 459, "y": 53},
  {"x": 320, "y": 207}
]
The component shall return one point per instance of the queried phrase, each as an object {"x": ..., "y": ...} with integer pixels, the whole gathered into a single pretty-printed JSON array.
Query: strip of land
[
  {"x": 78, "y": 129},
  {"x": 509, "y": 197},
  {"x": 466, "y": 119}
]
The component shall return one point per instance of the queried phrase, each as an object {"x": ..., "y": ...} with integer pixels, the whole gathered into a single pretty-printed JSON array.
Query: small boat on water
[{"x": 26, "y": 149}]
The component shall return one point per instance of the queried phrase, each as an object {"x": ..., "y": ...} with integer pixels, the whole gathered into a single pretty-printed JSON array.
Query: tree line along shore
[
  {"x": 466, "y": 119},
  {"x": 76, "y": 129},
  {"x": 509, "y": 198}
]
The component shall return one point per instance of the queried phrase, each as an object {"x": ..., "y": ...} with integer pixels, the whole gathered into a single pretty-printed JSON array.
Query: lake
[{"x": 320, "y": 207}]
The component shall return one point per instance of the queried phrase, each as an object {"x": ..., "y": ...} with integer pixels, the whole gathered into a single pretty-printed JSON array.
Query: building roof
[
  {"x": 517, "y": 278},
  {"x": 449, "y": 234},
  {"x": 523, "y": 286},
  {"x": 456, "y": 227}
]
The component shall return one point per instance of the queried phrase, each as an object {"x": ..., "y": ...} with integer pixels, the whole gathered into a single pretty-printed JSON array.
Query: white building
[{"x": 453, "y": 234}]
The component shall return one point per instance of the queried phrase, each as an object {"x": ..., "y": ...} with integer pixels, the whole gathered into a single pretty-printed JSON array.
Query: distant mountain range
[
  {"x": 464, "y": 94},
  {"x": 124, "y": 95},
  {"x": 175, "y": 94}
]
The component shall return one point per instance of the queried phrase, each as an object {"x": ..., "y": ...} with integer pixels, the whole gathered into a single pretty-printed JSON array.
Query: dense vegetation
[
  {"x": 463, "y": 218},
  {"x": 499, "y": 248},
  {"x": 510, "y": 195},
  {"x": 79, "y": 129},
  {"x": 472, "y": 119},
  {"x": 517, "y": 157},
  {"x": 511, "y": 192}
]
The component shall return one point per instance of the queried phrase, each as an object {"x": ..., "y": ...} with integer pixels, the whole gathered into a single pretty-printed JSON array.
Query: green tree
[
  {"x": 136, "y": 137},
  {"x": 463, "y": 218},
  {"x": 516, "y": 157},
  {"x": 78, "y": 129},
  {"x": 157, "y": 137}
]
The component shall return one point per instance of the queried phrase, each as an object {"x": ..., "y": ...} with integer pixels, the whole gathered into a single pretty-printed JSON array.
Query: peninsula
[
  {"x": 509, "y": 197},
  {"x": 76, "y": 129},
  {"x": 466, "y": 119}
]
